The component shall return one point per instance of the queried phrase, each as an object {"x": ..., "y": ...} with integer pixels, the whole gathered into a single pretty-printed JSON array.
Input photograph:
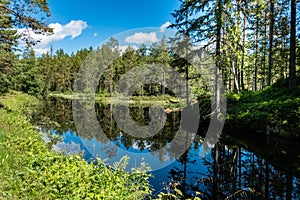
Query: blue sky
[{"x": 81, "y": 24}]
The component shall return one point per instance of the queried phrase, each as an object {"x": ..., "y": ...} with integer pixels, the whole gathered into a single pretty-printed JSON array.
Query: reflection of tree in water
[
  {"x": 140, "y": 115},
  {"x": 236, "y": 173},
  {"x": 55, "y": 114},
  {"x": 87, "y": 125},
  {"x": 106, "y": 122},
  {"x": 261, "y": 173}
]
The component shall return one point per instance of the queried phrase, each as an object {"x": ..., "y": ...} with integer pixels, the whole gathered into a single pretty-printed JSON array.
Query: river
[{"x": 240, "y": 166}]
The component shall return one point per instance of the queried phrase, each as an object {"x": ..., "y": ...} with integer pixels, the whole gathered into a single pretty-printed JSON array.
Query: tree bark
[
  {"x": 292, "y": 66},
  {"x": 263, "y": 73},
  {"x": 256, "y": 56},
  {"x": 243, "y": 49},
  {"x": 271, "y": 29},
  {"x": 218, "y": 61}
]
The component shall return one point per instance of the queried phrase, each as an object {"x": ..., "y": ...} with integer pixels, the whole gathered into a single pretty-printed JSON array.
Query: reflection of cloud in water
[
  {"x": 45, "y": 137},
  {"x": 135, "y": 145},
  {"x": 68, "y": 143},
  {"x": 68, "y": 148}
]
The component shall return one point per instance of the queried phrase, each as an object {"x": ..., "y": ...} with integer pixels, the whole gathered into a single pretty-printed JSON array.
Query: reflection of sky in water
[
  {"x": 113, "y": 151},
  {"x": 196, "y": 170},
  {"x": 252, "y": 164},
  {"x": 71, "y": 147},
  {"x": 69, "y": 143}
]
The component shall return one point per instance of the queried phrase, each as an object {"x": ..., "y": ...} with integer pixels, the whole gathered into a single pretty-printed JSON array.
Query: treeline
[
  {"x": 48, "y": 73},
  {"x": 253, "y": 42},
  {"x": 57, "y": 71}
]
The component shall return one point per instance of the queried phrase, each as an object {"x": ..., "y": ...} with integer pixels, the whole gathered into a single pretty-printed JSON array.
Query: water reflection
[{"x": 237, "y": 167}]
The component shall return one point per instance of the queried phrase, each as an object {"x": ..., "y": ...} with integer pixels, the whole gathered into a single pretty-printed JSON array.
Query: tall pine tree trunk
[
  {"x": 263, "y": 73},
  {"x": 256, "y": 56},
  {"x": 111, "y": 80},
  {"x": 243, "y": 49},
  {"x": 271, "y": 29},
  {"x": 292, "y": 67},
  {"x": 282, "y": 57},
  {"x": 235, "y": 77},
  {"x": 237, "y": 59},
  {"x": 218, "y": 61}
]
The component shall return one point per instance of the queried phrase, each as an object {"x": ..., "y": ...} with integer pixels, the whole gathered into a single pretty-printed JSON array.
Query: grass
[{"x": 30, "y": 170}]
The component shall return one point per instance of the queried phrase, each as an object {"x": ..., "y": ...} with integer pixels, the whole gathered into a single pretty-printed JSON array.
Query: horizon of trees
[{"x": 254, "y": 43}]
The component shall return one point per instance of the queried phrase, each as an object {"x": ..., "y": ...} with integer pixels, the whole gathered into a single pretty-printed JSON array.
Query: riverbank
[
  {"x": 31, "y": 170},
  {"x": 160, "y": 100},
  {"x": 272, "y": 111}
]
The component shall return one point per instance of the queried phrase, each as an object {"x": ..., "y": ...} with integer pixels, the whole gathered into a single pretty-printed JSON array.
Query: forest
[
  {"x": 255, "y": 51},
  {"x": 254, "y": 44}
]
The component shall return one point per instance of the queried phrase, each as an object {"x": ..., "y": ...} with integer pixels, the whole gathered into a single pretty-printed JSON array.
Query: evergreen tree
[
  {"x": 18, "y": 14},
  {"x": 205, "y": 25},
  {"x": 8, "y": 39}
]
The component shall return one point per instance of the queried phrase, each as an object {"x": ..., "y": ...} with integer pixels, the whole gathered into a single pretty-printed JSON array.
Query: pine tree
[
  {"x": 18, "y": 14},
  {"x": 205, "y": 25},
  {"x": 8, "y": 39}
]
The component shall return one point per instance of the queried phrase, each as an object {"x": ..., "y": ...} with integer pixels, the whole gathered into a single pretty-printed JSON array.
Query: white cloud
[
  {"x": 72, "y": 29},
  {"x": 95, "y": 34},
  {"x": 123, "y": 48},
  {"x": 164, "y": 26},
  {"x": 135, "y": 145},
  {"x": 142, "y": 38}
]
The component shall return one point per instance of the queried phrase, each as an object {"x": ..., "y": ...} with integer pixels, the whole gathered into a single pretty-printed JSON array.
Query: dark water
[{"x": 240, "y": 166}]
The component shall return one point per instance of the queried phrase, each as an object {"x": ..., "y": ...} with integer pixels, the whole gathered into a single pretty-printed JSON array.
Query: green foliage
[
  {"x": 176, "y": 193},
  {"x": 232, "y": 98},
  {"x": 276, "y": 107},
  {"x": 19, "y": 102},
  {"x": 13, "y": 15},
  {"x": 8, "y": 39},
  {"x": 29, "y": 170}
]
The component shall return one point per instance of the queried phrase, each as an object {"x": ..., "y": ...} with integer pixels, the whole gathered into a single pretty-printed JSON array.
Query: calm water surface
[{"x": 238, "y": 167}]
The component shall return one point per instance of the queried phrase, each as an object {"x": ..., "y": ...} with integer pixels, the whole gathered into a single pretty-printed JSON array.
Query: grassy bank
[
  {"x": 30, "y": 170},
  {"x": 161, "y": 100},
  {"x": 274, "y": 110}
]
